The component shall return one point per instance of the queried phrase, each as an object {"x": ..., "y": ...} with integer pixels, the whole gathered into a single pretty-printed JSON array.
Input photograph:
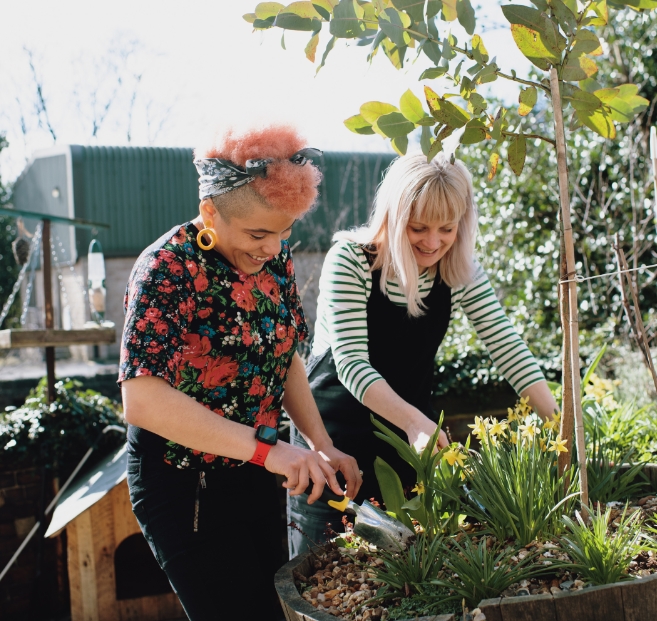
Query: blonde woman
[{"x": 388, "y": 291}]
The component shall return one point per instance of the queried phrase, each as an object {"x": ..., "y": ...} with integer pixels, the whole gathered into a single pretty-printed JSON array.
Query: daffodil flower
[
  {"x": 480, "y": 427},
  {"x": 454, "y": 455},
  {"x": 419, "y": 488},
  {"x": 558, "y": 445},
  {"x": 511, "y": 415},
  {"x": 497, "y": 428}
]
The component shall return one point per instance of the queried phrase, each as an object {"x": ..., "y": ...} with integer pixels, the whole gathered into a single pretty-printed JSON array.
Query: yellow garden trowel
[{"x": 372, "y": 524}]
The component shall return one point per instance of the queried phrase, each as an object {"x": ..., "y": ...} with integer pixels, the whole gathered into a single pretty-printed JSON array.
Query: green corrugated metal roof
[{"x": 143, "y": 192}]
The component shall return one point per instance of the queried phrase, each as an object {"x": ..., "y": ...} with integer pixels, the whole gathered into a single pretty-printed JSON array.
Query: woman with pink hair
[{"x": 213, "y": 320}]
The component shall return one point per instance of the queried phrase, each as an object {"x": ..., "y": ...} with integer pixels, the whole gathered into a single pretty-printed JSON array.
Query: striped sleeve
[
  {"x": 345, "y": 285},
  {"x": 505, "y": 346}
]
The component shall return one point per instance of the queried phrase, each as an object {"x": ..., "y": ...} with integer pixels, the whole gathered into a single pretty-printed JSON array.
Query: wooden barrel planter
[
  {"x": 623, "y": 601},
  {"x": 634, "y": 600}
]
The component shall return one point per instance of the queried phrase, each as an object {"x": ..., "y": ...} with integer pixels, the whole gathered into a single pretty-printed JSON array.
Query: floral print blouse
[{"x": 223, "y": 337}]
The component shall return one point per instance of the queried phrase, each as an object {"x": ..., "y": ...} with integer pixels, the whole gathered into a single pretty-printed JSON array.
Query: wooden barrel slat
[
  {"x": 591, "y": 604},
  {"x": 528, "y": 608}
]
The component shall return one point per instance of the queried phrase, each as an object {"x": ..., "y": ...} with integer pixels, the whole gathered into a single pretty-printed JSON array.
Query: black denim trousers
[{"x": 216, "y": 534}]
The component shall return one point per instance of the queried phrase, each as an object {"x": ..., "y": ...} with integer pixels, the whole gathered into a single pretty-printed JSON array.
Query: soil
[{"x": 344, "y": 583}]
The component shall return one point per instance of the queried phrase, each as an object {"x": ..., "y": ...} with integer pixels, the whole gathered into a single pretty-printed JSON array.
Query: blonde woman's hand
[{"x": 300, "y": 466}]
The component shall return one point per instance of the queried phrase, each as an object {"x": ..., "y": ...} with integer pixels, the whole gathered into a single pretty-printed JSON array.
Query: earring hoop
[{"x": 211, "y": 234}]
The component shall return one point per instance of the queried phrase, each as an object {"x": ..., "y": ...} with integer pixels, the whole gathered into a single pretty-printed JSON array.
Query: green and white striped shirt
[{"x": 344, "y": 288}]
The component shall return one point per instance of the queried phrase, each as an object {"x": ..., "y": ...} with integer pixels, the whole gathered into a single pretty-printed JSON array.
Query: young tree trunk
[{"x": 572, "y": 401}]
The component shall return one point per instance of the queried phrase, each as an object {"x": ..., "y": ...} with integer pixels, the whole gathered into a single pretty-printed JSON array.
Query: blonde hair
[{"x": 427, "y": 191}]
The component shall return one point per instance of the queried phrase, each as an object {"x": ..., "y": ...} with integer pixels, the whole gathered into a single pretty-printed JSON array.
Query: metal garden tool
[{"x": 371, "y": 523}]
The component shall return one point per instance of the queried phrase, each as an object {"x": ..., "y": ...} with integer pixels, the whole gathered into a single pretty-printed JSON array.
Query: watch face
[{"x": 268, "y": 435}]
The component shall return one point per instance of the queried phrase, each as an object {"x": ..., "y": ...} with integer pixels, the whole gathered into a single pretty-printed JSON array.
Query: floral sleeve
[{"x": 159, "y": 305}]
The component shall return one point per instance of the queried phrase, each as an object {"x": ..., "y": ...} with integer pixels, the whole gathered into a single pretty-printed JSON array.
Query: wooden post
[
  {"x": 572, "y": 401},
  {"x": 50, "y": 315}
]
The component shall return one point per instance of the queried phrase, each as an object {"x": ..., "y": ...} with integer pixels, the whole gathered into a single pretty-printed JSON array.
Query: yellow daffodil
[
  {"x": 514, "y": 437},
  {"x": 419, "y": 488},
  {"x": 497, "y": 428},
  {"x": 523, "y": 406},
  {"x": 529, "y": 431},
  {"x": 558, "y": 445},
  {"x": 454, "y": 455},
  {"x": 480, "y": 427},
  {"x": 543, "y": 444},
  {"x": 602, "y": 391},
  {"x": 551, "y": 425},
  {"x": 511, "y": 415}
]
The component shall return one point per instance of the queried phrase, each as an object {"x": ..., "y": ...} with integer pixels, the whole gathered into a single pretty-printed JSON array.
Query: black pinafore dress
[{"x": 402, "y": 349}]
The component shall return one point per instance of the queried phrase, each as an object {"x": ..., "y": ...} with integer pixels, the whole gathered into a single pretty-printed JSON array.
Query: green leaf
[
  {"x": 524, "y": 16},
  {"x": 329, "y": 47},
  {"x": 541, "y": 4},
  {"x": 586, "y": 42},
  {"x": 579, "y": 99},
  {"x": 433, "y": 8},
  {"x": 493, "y": 163},
  {"x": 264, "y": 24},
  {"x": 445, "y": 111},
  {"x": 590, "y": 85},
  {"x": 599, "y": 121},
  {"x": 415, "y": 8},
  {"x": 554, "y": 40},
  {"x": 566, "y": 18},
  {"x": 450, "y": 12},
  {"x": 486, "y": 74},
  {"x": 395, "y": 125},
  {"x": 434, "y": 72},
  {"x": 577, "y": 69},
  {"x": 311, "y": 47},
  {"x": 479, "y": 50},
  {"x": 572, "y": 5},
  {"x": 249, "y": 17},
  {"x": 299, "y": 16},
  {"x": 435, "y": 149},
  {"x": 400, "y": 144},
  {"x": 347, "y": 20},
  {"x": 393, "y": 23},
  {"x": 406, "y": 452},
  {"x": 394, "y": 53},
  {"x": 477, "y": 104},
  {"x": 413, "y": 504},
  {"x": 532, "y": 45},
  {"x": 466, "y": 15},
  {"x": 517, "y": 153},
  {"x": 265, "y": 10},
  {"x": 391, "y": 490},
  {"x": 425, "y": 140},
  {"x": 434, "y": 52},
  {"x": 475, "y": 132},
  {"x": 411, "y": 108},
  {"x": 358, "y": 125},
  {"x": 600, "y": 9},
  {"x": 527, "y": 100},
  {"x": 372, "y": 110},
  {"x": 623, "y": 102},
  {"x": 325, "y": 8}
]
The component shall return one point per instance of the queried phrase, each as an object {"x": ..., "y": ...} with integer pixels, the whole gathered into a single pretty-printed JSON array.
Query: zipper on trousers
[{"x": 200, "y": 485}]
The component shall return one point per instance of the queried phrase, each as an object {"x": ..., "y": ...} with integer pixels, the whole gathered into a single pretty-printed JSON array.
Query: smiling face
[
  {"x": 250, "y": 239},
  {"x": 430, "y": 241}
]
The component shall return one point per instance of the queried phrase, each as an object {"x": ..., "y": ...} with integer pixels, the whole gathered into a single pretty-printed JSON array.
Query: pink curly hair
[{"x": 288, "y": 187}]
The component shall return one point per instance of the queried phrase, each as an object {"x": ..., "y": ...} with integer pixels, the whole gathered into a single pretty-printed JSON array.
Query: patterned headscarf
[{"x": 218, "y": 176}]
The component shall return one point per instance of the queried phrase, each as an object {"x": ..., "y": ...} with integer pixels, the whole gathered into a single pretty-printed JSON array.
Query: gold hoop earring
[{"x": 211, "y": 234}]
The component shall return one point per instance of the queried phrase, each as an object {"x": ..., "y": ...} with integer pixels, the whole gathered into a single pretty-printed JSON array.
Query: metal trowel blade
[{"x": 379, "y": 528}]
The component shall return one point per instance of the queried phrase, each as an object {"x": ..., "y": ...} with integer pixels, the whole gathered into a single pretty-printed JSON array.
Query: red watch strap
[{"x": 261, "y": 452}]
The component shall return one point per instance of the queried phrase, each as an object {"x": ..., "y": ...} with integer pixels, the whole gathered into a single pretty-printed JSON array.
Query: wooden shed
[{"x": 112, "y": 572}]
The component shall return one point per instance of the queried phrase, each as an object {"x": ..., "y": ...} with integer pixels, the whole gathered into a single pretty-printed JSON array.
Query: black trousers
[{"x": 219, "y": 544}]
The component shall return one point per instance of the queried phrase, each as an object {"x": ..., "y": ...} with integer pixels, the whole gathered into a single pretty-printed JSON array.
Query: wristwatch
[{"x": 266, "y": 438}]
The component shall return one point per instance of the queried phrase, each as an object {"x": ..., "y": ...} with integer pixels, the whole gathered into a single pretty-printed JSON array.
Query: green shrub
[{"x": 56, "y": 435}]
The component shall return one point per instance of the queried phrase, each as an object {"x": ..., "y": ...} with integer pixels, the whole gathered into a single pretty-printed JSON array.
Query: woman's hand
[
  {"x": 421, "y": 429},
  {"x": 345, "y": 464},
  {"x": 299, "y": 466}
]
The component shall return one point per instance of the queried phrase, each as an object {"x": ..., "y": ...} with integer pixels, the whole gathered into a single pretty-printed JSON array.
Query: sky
[{"x": 186, "y": 70}]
